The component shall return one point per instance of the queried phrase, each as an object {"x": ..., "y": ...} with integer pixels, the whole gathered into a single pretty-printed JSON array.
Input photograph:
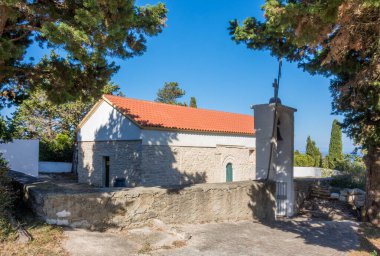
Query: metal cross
[{"x": 276, "y": 84}]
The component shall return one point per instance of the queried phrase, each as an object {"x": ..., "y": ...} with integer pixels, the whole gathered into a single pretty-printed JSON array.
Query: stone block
[{"x": 342, "y": 198}]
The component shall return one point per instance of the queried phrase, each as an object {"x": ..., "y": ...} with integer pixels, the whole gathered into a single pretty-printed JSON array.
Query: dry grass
[
  {"x": 179, "y": 243},
  {"x": 369, "y": 241},
  {"x": 47, "y": 240},
  {"x": 146, "y": 248}
]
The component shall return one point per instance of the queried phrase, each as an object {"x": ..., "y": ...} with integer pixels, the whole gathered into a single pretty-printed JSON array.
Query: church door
[{"x": 229, "y": 172}]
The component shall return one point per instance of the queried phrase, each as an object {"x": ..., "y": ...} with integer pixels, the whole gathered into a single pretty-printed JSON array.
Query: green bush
[
  {"x": 303, "y": 160},
  {"x": 6, "y": 199},
  {"x": 6, "y": 194},
  {"x": 327, "y": 163},
  {"x": 353, "y": 172},
  {"x": 327, "y": 173},
  {"x": 347, "y": 181},
  {"x": 58, "y": 150}
]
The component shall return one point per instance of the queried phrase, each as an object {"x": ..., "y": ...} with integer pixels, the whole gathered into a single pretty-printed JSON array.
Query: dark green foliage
[
  {"x": 86, "y": 33},
  {"x": 54, "y": 125},
  {"x": 333, "y": 38},
  {"x": 60, "y": 149},
  {"x": 313, "y": 151},
  {"x": 327, "y": 163},
  {"x": 353, "y": 172},
  {"x": 6, "y": 129},
  {"x": 338, "y": 39},
  {"x": 347, "y": 181},
  {"x": 170, "y": 94},
  {"x": 6, "y": 200},
  {"x": 193, "y": 102},
  {"x": 335, "y": 147},
  {"x": 303, "y": 160}
]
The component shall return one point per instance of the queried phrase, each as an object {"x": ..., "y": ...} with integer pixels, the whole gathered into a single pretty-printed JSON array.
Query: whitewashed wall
[
  {"x": 106, "y": 123},
  {"x": 307, "y": 172},
  {"x": 22, "y": 155},
  {"x": 154, "y": 137},
  {"x": 54, "y": 167}
]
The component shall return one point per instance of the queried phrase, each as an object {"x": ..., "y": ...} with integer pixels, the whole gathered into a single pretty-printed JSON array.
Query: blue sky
[{"x": 195, "y": 50}]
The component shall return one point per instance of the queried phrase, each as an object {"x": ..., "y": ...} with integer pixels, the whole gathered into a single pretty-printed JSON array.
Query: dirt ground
[
  {"x": 324, "y": 227},
  {"x": 295, "y": 237}
]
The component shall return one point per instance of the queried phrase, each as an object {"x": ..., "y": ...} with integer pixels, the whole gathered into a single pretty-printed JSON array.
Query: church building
[{"x": 130, "y": 142}]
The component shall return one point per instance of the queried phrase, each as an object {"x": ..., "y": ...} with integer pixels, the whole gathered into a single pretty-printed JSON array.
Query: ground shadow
[{"x": 341, "y": 236}]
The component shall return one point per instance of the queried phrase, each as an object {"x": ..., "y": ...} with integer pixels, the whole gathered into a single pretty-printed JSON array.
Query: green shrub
[
  {"x": 353, "y": 172},
  {"x": 6, "y": 199},
  {"x": 6, "y": 195},
  {"x": 327, "y": 173},
  {"x": 347, "y": 181},
  {"x": 303, "y": 160},
  {"x": 58, "y": 150}
]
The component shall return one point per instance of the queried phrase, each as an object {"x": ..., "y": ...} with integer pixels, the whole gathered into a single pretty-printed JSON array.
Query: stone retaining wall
[
  {"x": 102, "y": 208},
  {"x": 303, "y": 189}
]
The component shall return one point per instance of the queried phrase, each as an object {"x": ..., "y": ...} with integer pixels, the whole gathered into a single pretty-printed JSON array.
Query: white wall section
[
  {"x": 155, "y": 137},
  {"x": 106, "y": 123},
  {"x": 22, "y": 155}
]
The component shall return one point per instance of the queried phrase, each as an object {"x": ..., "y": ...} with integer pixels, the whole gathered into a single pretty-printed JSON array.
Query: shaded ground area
[
  {"x": 324, "y": 227},
  {"x": 296, "y": 237},
  {"x": 328, "y": 209}
]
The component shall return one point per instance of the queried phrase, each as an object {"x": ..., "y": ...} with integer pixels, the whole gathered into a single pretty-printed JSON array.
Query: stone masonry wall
[
  {"x": 302, "y": 190},
  {"x": 152, "y": 165},
  {"x": 98, "y": 208},
  {"x": 171, "y": 165},
  {"x": 125, "y": 158}
]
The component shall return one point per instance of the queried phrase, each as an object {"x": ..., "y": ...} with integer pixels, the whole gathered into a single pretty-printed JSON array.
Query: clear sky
[{"x": 196, "y": 51}]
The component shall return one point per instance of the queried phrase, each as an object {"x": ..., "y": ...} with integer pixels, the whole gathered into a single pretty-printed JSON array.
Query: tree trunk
[
  {"x": 4, "y": 11},
  {"x": 372, "y": 202}
]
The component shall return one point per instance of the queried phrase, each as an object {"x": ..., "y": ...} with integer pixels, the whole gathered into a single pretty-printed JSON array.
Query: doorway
[
  {"x": 229, "y": 172},
  {"x": 106, "y": 161}
]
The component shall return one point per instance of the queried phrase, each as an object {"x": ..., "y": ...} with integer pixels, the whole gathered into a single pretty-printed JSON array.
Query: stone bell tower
[{"x": 274, "y": 125}]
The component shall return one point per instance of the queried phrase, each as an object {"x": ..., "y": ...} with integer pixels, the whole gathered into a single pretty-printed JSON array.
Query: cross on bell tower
[
  {"x": 274, "y": 131},
  {"x": 276, "y": 85}
]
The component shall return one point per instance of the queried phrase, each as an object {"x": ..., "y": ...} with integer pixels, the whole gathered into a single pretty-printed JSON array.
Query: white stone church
[{"x": 130, "y": 142}]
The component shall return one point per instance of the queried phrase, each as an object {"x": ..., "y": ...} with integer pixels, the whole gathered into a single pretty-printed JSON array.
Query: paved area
[{"x": 295, "y": 237}]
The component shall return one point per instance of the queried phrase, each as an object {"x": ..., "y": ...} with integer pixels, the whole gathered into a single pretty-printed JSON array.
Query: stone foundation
[{"x": 104, "y": 208}]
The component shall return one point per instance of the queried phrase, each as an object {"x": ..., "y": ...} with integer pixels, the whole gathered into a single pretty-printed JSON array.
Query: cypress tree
[
  {"x": 193, "y": 102},
  {"x": 335, "y": 147},
  {"x": 313, "y": 151}
]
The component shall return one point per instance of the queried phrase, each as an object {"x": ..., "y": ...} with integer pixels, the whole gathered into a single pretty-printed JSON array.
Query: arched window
[{"x": 229, "y": 173}]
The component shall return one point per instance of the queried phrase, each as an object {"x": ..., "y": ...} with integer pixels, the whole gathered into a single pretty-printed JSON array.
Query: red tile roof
[{"x": 166, "y": 116}]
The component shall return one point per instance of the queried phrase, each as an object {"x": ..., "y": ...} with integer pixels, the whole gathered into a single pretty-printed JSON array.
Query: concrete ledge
[{"x": 103, "y": 208}]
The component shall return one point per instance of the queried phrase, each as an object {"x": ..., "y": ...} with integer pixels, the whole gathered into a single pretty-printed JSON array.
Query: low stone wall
[{"x": 102, "y": 208}]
